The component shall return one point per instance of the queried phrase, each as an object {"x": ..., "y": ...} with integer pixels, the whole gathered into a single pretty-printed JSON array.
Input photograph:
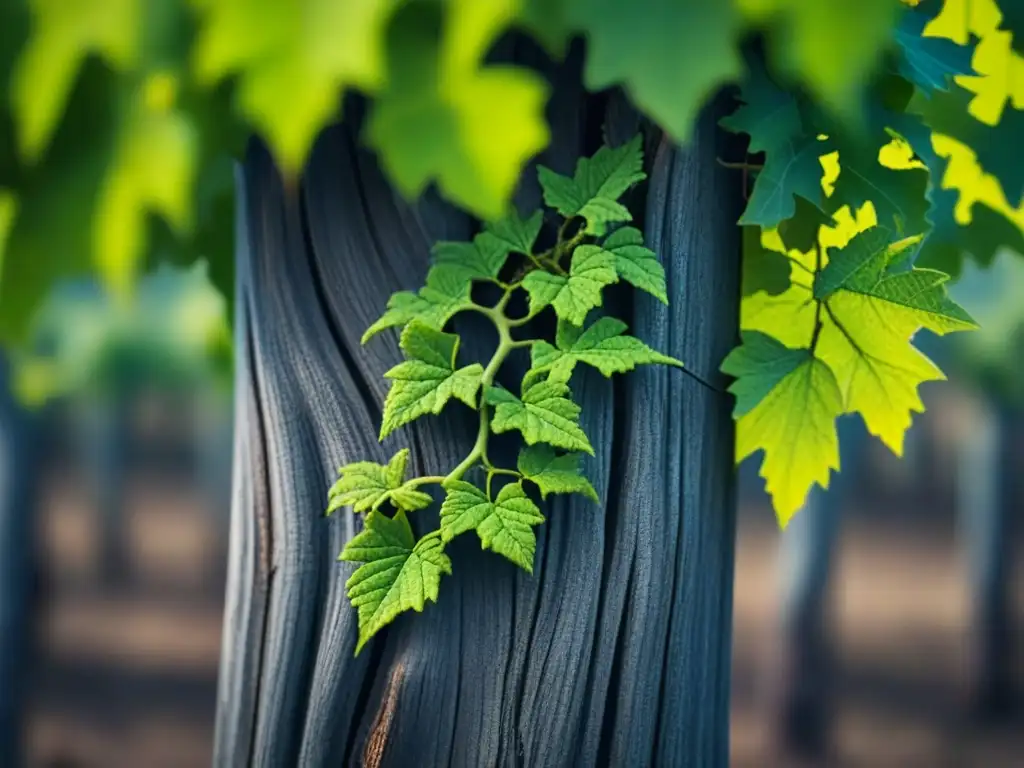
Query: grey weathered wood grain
[
  {"x": 19, "y": 477},
  {"x": 616, "y": 650}
]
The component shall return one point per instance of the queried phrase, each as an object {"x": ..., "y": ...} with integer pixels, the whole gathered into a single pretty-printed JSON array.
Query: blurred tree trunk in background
[
  {"x": 987, "y": 492},
  {"x": 803, "y": 696},
  {"x": 213, "y": 435},
  {"x": 106, "y": 451},
  {"x": 19, "y": 571},
  {"x": 616, "y": 651}
]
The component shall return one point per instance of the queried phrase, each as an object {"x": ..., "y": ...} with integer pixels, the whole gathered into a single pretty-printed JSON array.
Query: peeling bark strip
[
  {"x": 373, "y": 755},
  {"x": 617, "y": 650}
]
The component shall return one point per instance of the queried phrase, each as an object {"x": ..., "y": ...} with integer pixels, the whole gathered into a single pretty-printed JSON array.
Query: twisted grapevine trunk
[{"x": 616, "y": 651}]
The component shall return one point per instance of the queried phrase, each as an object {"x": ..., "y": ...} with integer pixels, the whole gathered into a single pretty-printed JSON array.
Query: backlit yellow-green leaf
[
  {"x": 794, "y": 424},
  {"x": 444, "y": 116},
  {"x": 153, "y": 172},
  {"x": 63, "y": 34},
  {"x": 293, "y": 61}
]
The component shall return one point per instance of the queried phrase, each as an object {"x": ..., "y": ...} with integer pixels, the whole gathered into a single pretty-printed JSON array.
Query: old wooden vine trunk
[{"x": 617, "y": 650}]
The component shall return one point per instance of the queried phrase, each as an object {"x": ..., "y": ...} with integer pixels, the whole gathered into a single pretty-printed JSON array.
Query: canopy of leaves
[{"x": 121, "y": 119}]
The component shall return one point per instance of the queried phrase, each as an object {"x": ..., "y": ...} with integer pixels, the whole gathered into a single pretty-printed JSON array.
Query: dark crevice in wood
[
  {"x": 366, "y": 396},
  {"x": 612, "y": 697},
  {"x": 266, "y": 570}
]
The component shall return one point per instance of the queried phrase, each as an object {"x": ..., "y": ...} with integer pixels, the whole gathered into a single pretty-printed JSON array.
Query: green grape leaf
[
  {"x": 982, "y": 238},
  {"x": 801, "y": 230},
  {"x": 768, "y": 114},
  {"x": 602, "y": 346},
  {"x": 8, "y": 210},
  {"x": 670, "y": 57},
  {"x": 596, "y": 186},
  {"x": 792, "y": 168},
  {"x": 512, "y": 234},
  {"x": 442, "y": 116},
  {"x": 399, "y": 573},
  {"x": 918, "y": 295},
  {"x": 546, "y": 414},
  {"x": 153, "y": 171},
  {"x": 1012, "y": 21},
  {"x": 445, "y": 294},
  {"x": 504, "y": 525},
  {"x": 759, "y": 364},
  {"x": 948, "y": 241},
  {"x": 428, "y": 378},
  {"x": 366, "y": 484},
  {"x": 546, "y": 22},
  {"x": 486, "y": 255},
  {"x": 898, "y": 195},
  {"x": 871, "y": 315},
  {"x": 832, "y": 47},
  {"x": 551, "y": 473},
  {"x": 292, "y": 63},
  {"x": 787, "y": 403},
  {"x": 930, "y": 63},
  {"x": 63, "y": 35},
  {"x": 575, "y": 294},
  {"x": 948, "y": 113},
  {"x": 763, "y": 269},
  {"x": 635, "y": 263},
  {"x": 467, "y": 261}
]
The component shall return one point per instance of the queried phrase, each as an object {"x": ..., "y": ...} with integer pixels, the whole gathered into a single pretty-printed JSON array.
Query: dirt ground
[{"x": 129, "y": 673}]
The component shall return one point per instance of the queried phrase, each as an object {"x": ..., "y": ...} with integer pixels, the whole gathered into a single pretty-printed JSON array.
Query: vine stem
[
  {"x": 817, "y": 310},
  {"x": 505, "y": 347},
  {"x": 425, "y": 480}
]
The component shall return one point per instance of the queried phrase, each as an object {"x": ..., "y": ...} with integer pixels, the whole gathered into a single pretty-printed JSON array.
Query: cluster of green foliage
[
  {"x": 174, "y": 336},
  {"x": 853, "y": 229},
  {"x": 399, "y": 572},
  {"x": 882, "y": 148}
]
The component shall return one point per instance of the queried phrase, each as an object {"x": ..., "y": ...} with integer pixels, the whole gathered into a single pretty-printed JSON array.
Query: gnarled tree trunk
[{"x": 616, "y": 651}]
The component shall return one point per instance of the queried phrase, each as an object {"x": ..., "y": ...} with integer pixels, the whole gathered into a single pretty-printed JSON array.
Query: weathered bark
[
  {"x": 18, "y": 566},
  {"x": 617, "y": 650}
]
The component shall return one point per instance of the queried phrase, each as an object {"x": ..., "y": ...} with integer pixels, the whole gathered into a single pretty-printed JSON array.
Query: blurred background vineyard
[{"x": 135, "y": 489}]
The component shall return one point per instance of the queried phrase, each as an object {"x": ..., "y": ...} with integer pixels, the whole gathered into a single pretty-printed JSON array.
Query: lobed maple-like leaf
[
  {"x": 575, "y": 294},
  {"x": 366, "y": 484},
  {"x": 601, "y": 345},
  {"x": 504, "y": 525},
  {"x": 634, "y": 262},
  {"x": 787, "y": 403},
  {"x": 596, "y": 186},
  {"x": 545, "y": 414},
  {"x": 554, "y": 473},
  {"x": 428, "y": 379},
  {"x": 445, "y": 294},
  {"x": 399, "y": 573}
]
